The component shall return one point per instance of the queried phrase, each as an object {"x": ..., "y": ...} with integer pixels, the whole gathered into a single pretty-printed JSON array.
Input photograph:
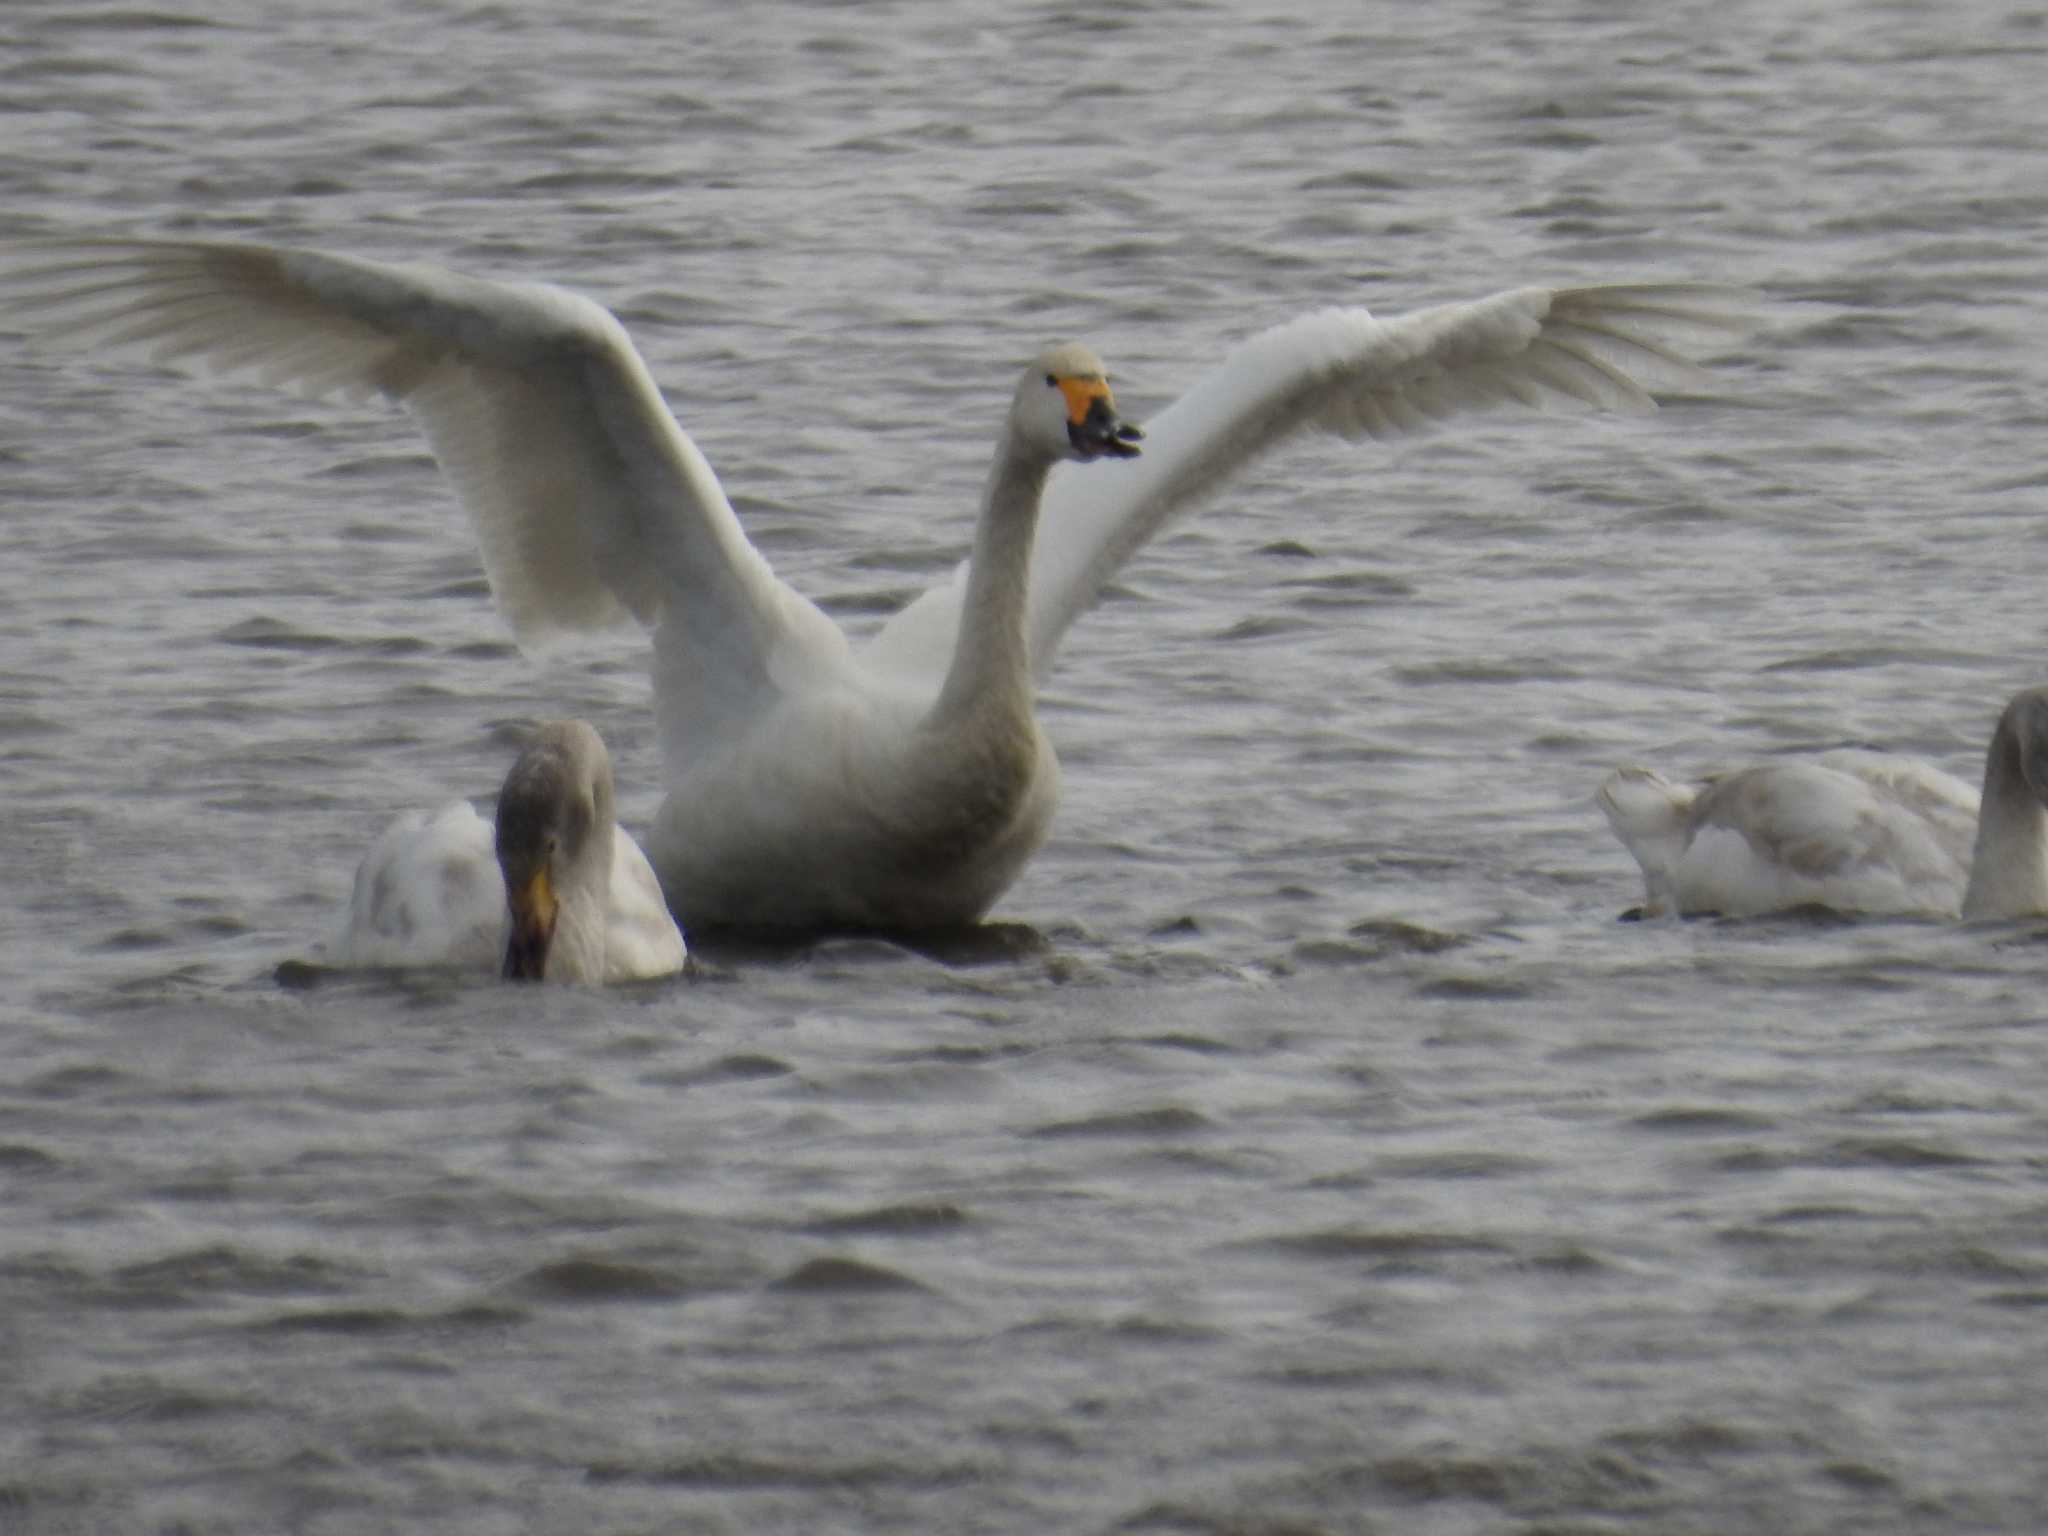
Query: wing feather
[
  {"x": 589, "y": 502},
  {"x": 1343, "y": 371}
]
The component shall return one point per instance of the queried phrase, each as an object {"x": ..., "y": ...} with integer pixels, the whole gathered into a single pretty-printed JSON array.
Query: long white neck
[
  {"x": 992, "y": 656},
  {"x": 583, "y": 912},
  {"x": 2009, "y": 870}
]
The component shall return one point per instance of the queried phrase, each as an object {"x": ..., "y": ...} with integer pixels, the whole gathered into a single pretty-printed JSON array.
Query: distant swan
[
  {"x": 558, "y": 892},
  {"x": 1851, "y": 830},
  {"x": 812, "y": 785}
]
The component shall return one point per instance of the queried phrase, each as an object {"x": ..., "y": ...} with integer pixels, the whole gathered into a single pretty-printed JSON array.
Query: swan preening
[
  {"x": 1851, "y": 830},
  {"x": 812, "y": 784},
  {"x": 555, "y": 892}
]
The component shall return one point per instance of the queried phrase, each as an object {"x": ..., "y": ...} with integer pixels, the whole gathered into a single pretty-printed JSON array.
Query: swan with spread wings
[{"x": 812, "y": 784}]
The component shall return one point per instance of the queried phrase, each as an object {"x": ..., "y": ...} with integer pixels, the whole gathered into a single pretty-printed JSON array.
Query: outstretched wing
[
  {"x": 1342, "y": 371},
  {"x": 588, "y": 500}
]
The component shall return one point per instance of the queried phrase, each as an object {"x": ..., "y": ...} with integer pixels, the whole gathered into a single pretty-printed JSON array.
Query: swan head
[
  {"x": 554, "y": 841},
  {"x": 1064, "y": 408},
  {"x": 2025, "y": 725}
]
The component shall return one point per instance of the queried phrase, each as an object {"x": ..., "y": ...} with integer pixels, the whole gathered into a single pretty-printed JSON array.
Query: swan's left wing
[{"x": 1343, "y": 371}]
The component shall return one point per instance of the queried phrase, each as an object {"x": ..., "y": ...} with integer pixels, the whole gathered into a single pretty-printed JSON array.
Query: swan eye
[{"x": 1052, "y": 381}]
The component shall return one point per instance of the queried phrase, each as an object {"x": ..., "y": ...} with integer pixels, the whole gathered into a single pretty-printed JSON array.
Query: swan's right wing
[
  {"x": 1342, "y": 371},
  {"x": 588, "y": 500}
]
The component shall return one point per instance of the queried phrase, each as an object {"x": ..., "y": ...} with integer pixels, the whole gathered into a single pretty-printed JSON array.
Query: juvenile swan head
[{"x": 555, "y": 848}]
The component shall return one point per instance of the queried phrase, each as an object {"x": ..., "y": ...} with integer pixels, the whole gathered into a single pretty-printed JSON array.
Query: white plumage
[
  {"x": 1855, "y": 831},
  {"x": 811, "y": 784}
]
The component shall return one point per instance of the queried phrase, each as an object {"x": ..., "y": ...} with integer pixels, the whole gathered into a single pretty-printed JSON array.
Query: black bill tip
[{"x": 1103, "y": 434}]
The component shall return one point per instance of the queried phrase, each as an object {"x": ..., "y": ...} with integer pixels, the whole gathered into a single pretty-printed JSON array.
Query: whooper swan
[
  {"x": 555, "y": 892},
  {"x": 812, "y": 784}
]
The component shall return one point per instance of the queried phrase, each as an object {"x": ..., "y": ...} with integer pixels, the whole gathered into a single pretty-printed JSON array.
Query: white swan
[
  {"x": 1852, "y": 830},
  {"x": 558, "y": 892},
  {"x": 810, "y": 784}
]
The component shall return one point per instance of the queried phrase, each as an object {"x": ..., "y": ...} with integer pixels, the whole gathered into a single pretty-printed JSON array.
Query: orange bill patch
[
  {"x": 535, "y": 903},
  {"x": 1082, "y": 393}
]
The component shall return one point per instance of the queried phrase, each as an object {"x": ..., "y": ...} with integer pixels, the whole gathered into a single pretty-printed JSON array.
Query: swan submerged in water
[
  {"x": 812, "y": 785},
  {"x": 1855, "y": 831},
  {"x": 555, "y": 891}
]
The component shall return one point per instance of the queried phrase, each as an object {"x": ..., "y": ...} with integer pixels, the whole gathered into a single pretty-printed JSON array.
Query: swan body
[
  {"x": 1855, "y": 831},
  {"x": 870, "y": 803},
  {"x": 812, "y": 784},
  {"x": 449, "y": 889}
]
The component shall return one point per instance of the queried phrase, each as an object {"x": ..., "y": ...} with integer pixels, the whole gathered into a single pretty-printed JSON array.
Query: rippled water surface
[{"x": 1317, "y": 1153}]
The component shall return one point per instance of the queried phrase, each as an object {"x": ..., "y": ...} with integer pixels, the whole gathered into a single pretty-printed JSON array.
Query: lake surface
[{"x": 1318, "y": 1153}]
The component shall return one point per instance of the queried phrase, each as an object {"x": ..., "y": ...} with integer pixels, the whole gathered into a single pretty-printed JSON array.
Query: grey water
[{"x": 1323, "y": 1155}]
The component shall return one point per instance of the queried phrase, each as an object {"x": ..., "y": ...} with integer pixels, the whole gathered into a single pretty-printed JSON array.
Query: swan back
[
  {"x": 427, "y": 893},
  {"x": 1852, "y": 830}
]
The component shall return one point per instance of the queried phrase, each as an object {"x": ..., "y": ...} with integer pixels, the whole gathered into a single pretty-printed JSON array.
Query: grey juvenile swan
[
  {"x": 1852, "y": 830},
  {"x": 555, "y": 891}
]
